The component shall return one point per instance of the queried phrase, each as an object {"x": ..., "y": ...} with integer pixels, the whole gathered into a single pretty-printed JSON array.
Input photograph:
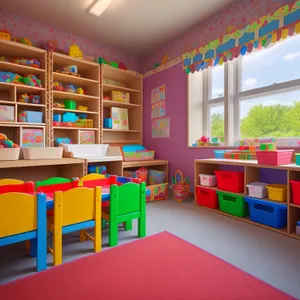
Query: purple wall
[{"x": 174, "y": 148}]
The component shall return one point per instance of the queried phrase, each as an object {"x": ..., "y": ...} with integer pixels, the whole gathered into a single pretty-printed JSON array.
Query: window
[{"x": 258, "y": 94}]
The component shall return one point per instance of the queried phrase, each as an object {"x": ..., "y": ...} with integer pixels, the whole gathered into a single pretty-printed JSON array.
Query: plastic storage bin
[
  {"x": 220, "y": 153},
  {"x": 70, "y": 104},
  {"x": 297, "y": 159},
  {"x": 9, "y": 154},
  {"x": 233, "y": 204},
  {"x": 230, "y": 181},
  {"x": 257, "y": 190},
  {"x": 207, "y": 197},
  {"x": 156, "y": 177},
  {"x": 43, "y": 153},
  {"x": 268, "y": 213},
  {"x": 277, "y": 192},
  {"x": 34, "y": 116},
  {"x": 274, "y": 158},
  {"x": 208, "y": 180},
  {"x": 295, "y": 185}
]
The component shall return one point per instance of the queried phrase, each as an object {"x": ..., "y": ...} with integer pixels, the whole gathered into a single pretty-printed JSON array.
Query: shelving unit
[
  {"x": 10, "y": 92},
  {"x": 89, "y": 80},
  {"x": 135, "y": 107},
  {"x": 252, "y": 172}
]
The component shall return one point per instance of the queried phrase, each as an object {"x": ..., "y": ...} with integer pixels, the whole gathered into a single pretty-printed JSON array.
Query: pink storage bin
[
  {"x": 257, "y": 190},
  {"x": 208, "y": 180},
  {"x": 274, "y": 158}
]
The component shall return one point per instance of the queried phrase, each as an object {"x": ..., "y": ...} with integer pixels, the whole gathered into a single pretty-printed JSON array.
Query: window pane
[
  {"x": 271, "y": 116},
  {"x": 216, "y": 121},
  {"x": 217, "y": 82},
  {"x": 276, "y": 64}
]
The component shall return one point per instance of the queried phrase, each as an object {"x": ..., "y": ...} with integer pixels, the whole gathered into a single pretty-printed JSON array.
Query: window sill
[{"x": 235, "y": 147}]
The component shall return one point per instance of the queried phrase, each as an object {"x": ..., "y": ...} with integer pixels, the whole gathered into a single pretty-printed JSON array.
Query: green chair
[{"x": 127, "y": 202}]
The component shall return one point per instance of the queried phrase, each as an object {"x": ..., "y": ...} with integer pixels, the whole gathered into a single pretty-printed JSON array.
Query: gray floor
[{"x": 267, "y": 255}]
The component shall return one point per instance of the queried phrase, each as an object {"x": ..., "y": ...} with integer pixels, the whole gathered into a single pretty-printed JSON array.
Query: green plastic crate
[{"x": 233, "y": 204}]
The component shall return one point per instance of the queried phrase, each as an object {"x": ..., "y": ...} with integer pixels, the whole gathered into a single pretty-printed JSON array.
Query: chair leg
[
  {"x": 97, "y": 238},
  {"x": 57, "y": 248},
  {"x": 142, "y": 226},
  {"x": 113, "y": 234},
  {"x": 104, "y": 223},
  {"x": 27, "y": 245},
  {"x": 128, "y": 225},
  {"x": 83, "y": 235},
  {"x": 41, "y": 254}
]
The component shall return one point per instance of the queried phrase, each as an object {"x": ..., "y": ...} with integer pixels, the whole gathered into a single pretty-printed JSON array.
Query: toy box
[
  {"x": 31, "y": 116},
  {"x": 120, "y": 96},
  {"x": 230, "y": 181},
  {"x": 277, "y": 192},
  {"x": 7, "y": 113},
  {"x": 157, "y": 192},
  {"x": 274, "y": 158},
  {"x": 208, "y": 180},
  {"x": 257, "y": 189},
  {"x": 268, "y": 213},
  {"x": 32, "y": 137},
  {"x": 207, "y": 197},
  {"x": 156, "y": 177},
  {"x": 136, "y": 152}
]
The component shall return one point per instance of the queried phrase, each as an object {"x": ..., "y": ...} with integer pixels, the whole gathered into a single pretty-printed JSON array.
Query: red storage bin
[
  {"x": 274, "y": 158},
  {"x": 230, "y": 181},
  {"x": 295, "y": 191},
  {"x": 207, "y": 197}
]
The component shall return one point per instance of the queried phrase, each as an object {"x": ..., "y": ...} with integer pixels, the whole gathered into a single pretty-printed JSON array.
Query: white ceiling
[{"x": 134, "y": 26}]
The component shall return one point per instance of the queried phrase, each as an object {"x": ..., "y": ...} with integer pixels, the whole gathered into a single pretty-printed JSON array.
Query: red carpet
[{"x": 157, "y": 268}]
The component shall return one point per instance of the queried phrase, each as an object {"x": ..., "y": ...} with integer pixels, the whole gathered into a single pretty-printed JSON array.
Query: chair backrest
[
  {"x": 55, "y": 184},
  {"x": 13, "y": 185},
  {"x": 127, "y": 198},
  {"x": 76, "y": 205},
  {"x": 121, "y": 180},
  {"x": 19, "y": 212},
  {"x": 93, "y": 180}
]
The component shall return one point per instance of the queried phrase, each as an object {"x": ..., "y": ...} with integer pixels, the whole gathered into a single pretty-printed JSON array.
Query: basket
[
  {"x": 274, "y": 158},
  {"x": 181, "y": 189},
  {"x": 139, "y": 155}
]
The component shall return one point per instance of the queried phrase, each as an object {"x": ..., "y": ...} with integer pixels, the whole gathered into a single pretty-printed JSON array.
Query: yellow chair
[{"x": 74, "y": 210}]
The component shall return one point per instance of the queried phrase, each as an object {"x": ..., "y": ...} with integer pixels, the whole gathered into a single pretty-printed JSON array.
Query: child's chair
[
  {"x": 54, "y": 184},
  {"x": 18, "y": 186},
  {"x": 127, "y": 202},
  {"x": 74, "y": 210},
  {"x": 23, "y": 217}
]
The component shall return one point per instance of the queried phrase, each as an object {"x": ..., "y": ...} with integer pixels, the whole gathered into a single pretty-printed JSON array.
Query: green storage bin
[
  {"x": 70, "y": 104},
  {"x": 233, "y": 204}
]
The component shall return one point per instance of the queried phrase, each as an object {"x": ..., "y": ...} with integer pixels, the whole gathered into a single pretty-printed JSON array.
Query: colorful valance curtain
[{"x": 269, "y": 29}]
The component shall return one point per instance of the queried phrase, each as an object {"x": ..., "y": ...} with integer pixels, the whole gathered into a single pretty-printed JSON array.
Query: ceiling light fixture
[{"x": 100, "y": 7}]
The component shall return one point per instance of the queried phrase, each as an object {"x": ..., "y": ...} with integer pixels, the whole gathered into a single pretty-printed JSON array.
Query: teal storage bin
[
  {"x": 297, "y": 159},
  {"x": 34, "y": 116}
]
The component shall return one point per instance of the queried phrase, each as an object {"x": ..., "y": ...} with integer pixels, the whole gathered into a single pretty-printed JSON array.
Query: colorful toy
[
  {"x": 24, "y": 41},
  {"x": 5, "y": 35},
  {"x": 58, "y": 105},
  {"x": 32, "y": 80},
  {"x": 35, "y": 99},
  {"x": 84, "y": 123},
  {"x": 58, "y": 86},
  {"x": 106, "y": 98},
  {"x": 77, "y": 206},
  {"x": 63, "y": 141},
  {"x": 10, "y": 77},
  {"x": 268, "y": 147},
  {"x": 70, "y": 88},
  {"x": 122, "y": 66},
  {"x": 33, "y": 225},
  {"x": 24, "y": 98},
  {"x": 157, "y": 192},
  {"x": 75, "y": 51},
  {"x": 181, "y": 187},
  {"x": 69, "y": 117},
  {"x": 51, "y": 45},
  {"x": 98, "y": 169},
  {"x": 80, "y": 91},
  {"x": 33, "y": 62},
  {"x": 83, "y": 108},
  {"x": 70, "y": 104},
  {"x": 70, "y": 70},
  {"x": 119, "y": 210}
]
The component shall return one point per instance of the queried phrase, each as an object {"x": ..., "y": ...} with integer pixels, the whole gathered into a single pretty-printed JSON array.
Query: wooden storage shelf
[
  {"x": 58, "y": 95},
  {"x": 19, "y": 124},
  {"x": 30, "y": 104},
  {"x": 20, "y": 69},
  {"x": 252, "y": 174},
  {"x": 76, "y": 111},
  {"x": 108, "y": 103},
  {"x": 134, "y": 86},
  {"x": 144, "y": 163},
  {"x": 110, "y": 87},
  {"x": 89, "y": 81},
  {"x": 80, "y": 81},
  {"x": 22, "y": 88}
]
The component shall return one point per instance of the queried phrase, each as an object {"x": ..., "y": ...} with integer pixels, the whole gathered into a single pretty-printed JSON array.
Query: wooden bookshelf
[
  {"x": 89, "y": 80},
  {"x": 252, "y": 173},
  {"x": 133, "y": 86},
  {"x": 11, "y": 92}
]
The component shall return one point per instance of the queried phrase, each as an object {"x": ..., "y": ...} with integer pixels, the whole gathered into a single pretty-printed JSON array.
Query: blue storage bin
[
  {"x": 107, "y": 123},
  {"x": 267, "y": 212},
  {"x": 34, "y": 116},
  {"x": 220, "y": 153}
]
